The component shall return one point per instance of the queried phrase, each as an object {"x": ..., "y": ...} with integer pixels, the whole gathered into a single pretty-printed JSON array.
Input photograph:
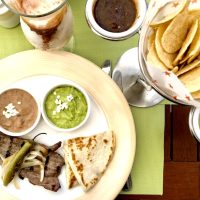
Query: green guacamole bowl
[{"x": 66, "y": 107}]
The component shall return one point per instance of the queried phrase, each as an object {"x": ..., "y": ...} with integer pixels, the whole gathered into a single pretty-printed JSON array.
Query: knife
[{"x": 107, "y": 68}]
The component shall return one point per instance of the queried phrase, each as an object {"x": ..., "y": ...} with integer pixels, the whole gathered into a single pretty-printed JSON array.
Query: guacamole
[{"x": 66, "y": 107}]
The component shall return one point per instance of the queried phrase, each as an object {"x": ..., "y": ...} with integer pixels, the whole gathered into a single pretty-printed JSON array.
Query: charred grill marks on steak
[
  {"x": 53, "y": 165},
  {"x": 49, "y": 183},
  {"x": 54, "y": 162},
  {"x": 16, "y": 145},
  {"x": 5, "y": 146},
  {"x": 9, "y": 145}
]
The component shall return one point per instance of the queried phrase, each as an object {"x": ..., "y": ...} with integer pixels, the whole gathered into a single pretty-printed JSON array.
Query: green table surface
[{"x": 147, "y": 173}]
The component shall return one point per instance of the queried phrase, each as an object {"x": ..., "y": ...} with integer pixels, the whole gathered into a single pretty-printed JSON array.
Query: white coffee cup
[
  {"x": 141, "y": 9},
  {"x": 8, "y": 19}
]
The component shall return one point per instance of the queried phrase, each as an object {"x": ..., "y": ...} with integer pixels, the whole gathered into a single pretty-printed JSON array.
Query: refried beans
[{"x": 18, "y": 110}]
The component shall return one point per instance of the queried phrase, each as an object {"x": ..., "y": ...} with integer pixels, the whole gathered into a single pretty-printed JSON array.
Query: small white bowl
[
  {"x": 16, "y": 134},
  {"x": 141, "y": 6},
  {"x": 51, "y": 124}
]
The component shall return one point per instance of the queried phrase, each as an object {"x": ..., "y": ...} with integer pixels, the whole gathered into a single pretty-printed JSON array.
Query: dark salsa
[{"x": 115, "y": 15}]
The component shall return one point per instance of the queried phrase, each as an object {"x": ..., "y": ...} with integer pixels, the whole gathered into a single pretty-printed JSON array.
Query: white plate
[
  {"x": 97, "y": 123},
  {"x": 109, "y": 109}
]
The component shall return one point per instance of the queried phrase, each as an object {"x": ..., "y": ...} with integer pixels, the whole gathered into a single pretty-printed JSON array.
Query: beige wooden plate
[{"x": 104, "y": 91}]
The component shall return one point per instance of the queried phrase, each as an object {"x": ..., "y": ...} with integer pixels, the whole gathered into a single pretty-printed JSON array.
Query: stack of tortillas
[
  {"x": 174, "y": 45},
  {"x": 87, "y": 158}
]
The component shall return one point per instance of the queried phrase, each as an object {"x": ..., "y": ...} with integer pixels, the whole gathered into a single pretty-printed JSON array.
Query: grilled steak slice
[
  {"x": 4, "y": 146},
  {"x": 55, "y": 146},
  {"x": 9, "y": 145},
  {"x": 54, "y": 163},
  {"x": 16, "y": 145},
  {"x": 50, "y": 183}
]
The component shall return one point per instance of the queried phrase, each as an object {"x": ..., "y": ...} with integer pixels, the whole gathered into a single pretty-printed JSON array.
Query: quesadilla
[
  {"x": 71, "y": 179},
  {"x": 89, "y": 157}
]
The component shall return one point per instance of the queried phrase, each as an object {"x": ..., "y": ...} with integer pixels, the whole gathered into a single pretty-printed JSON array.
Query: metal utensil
[
  {"x": 107, "y": 68},
  {"x": 128, "y": 76}
]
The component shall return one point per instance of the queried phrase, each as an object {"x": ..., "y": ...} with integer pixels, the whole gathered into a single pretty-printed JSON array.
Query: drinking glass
[{"x": 51, "y": 27}]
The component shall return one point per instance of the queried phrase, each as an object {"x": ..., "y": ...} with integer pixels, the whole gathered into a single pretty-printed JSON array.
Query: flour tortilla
[
  {"x": 194, "y": 56},
  {"x": 190, "y": 37},
  {"x": 189, "y": 67},
  {"x": 151, "y": 40},
  {"x": 161, "y": 17},
  {"x": 153, "y": 59},
  {"x": 195, "y": 12},
  {"x": 71, "y": 179},
  {"x": 196, "y": 95},
  {"x": 89, "y": 157},
  {"x": 176, "y": 33},
  {"x": 191, "y": 80},
  {"x": 194, "y": 49},
  {"x": 175, "y": 70},
  {"x": 165, "y": 57}
]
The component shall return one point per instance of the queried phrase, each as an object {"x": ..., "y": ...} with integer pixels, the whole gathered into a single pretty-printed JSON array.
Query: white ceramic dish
[
  {"x": 52, "y": 125},
  {"x": 3, "y": 130},
  {"x": 141, "y": 9},
  {"x": 109, "y": 109},
  {"x": 96, "y": 123}
]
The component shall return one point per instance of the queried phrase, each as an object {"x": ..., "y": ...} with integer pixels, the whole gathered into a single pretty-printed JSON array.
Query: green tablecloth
[{"x": 147, "y": 170}]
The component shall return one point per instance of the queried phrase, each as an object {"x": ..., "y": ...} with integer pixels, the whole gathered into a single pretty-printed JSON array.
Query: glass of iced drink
[{"x": 47, "y": 24}]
